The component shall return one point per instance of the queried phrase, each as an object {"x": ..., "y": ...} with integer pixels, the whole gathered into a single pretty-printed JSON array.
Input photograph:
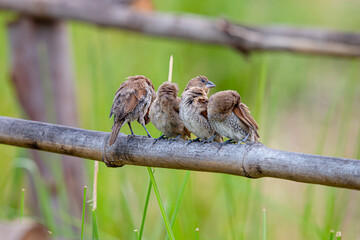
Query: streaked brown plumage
[
  {"x": 132, "y": 102},
  {"x": 231, "y": 118},
  {"x": 193, "y": 112},
  {"x": 201, "y": 82},
  {"x": 164, "y": 112}
]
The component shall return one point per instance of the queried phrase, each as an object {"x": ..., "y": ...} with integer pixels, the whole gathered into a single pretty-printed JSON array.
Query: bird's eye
[{"x": 203, "y": 80}]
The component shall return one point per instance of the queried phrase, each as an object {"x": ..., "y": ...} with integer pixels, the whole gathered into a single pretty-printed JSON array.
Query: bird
[
  {"x": 201, "y": 82},
  {"x": 231, "y": 118},
  {"x": 193, "y": 112},
  {"x": 132, "y": 102},
  {"x": 164, "y": 112}
]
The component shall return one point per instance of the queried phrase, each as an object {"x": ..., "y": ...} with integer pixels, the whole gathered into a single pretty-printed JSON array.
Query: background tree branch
[
  {"x": 250, "y": 160},
  {"x": 194, "y": 27}
]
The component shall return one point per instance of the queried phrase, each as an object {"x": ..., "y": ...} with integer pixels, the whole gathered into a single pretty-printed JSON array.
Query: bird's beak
[{"x": 210, "y": 85}]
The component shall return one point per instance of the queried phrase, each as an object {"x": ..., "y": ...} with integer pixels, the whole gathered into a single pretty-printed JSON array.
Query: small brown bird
[
  {"x": 193, "y": 112},
  {"x": 201, "y": 82},
  {"x": 231, "y": 118},
  {"x": 132, "y": 102},
  {"x": 164, "y": 112}
]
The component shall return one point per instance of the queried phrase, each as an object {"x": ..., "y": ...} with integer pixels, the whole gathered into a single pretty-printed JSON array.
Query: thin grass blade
[
  {"x": 264, "y": 225},
  {"x": 180, "y": 198},
  {"x": 22, "y": 204},
  {"x": 162, "y": 209},
  {"x": 95, "y": 229},
  {"x": 136, "y": 233},
  {"x": 197, "y": 234},
  {"x": 145, "y": 209},
  {"x": 83, "y": 213}
]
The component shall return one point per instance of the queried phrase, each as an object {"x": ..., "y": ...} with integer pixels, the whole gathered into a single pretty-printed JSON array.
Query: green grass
[
  {"x": 83, "y": 214},
  {"x": 302, "y": 103},
  {"x": 95, "y": 228},
  {"x": 22, "y": 204},
  {"x": 145, "y": 208},
  {"x": 264, "y": 224},
  {"x": 161, "y": 205},
  {"x": 331, "y": 235},
  {"x": 197, "y": 234},
  {"x": 180, "y": 198}
]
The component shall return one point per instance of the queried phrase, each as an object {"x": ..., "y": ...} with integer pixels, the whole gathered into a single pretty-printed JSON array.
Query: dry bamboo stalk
[{"x": 250, "y": 160}]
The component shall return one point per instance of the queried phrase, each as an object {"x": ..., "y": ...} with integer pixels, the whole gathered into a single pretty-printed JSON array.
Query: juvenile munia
[
  {"x": 193, "y": 112},
  {"x": 164, "y": 112},
  {"x": 201, "y": 82},
  {"x": 231, "y": 118},
  {"x": 132, "y": 102}
]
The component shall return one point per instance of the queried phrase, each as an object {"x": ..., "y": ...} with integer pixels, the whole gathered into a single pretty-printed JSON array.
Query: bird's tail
[{"x": 115, "y": 132}]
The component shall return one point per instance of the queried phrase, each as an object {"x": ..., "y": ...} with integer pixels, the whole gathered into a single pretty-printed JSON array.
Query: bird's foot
[
  {"x": 148, "y": 134},
  {"x": 159, "y": 138},
  {"x": 206, "y": 141},
  {"x": 224, "y": 143},
  {"x": 209, "y": 140},
  {"x": 194, "y": 140},
  {"x": 134, "y": 135},
  {"x": 174, "y": 139},
  {"x": 245, "y": 138}
]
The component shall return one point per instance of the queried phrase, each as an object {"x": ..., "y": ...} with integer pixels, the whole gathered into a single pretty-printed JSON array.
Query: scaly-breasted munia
[
  {"x": 201, "y": 82},
  {"x": 132, "y": 102},
  {"x": 231, "y": 118},
  {"x": 193, "y": 112},
  {"x": 164, "y": 112}
]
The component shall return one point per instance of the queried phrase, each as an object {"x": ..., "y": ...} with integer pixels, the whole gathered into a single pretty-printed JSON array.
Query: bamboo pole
[{"x": 248, "y": 160}]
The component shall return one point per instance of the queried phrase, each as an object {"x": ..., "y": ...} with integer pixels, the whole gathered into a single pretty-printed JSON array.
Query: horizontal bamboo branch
[
  {"x": 194, "y": 27},
  {"x": 250, "y": 160}
]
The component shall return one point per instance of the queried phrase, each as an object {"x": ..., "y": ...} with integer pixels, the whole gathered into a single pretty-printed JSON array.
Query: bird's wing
[
  {"x": 187, "y": 132},
  {"x": 177, "y": 104},
  {"x": 202, "y": 105},
  {"x": 147, "y": 117},
  {"x": 126, "y": 99},
  {"x": 243, "y": 113}
]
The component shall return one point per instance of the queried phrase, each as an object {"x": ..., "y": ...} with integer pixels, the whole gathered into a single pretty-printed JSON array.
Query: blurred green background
[{"x": 302, "y": 103}]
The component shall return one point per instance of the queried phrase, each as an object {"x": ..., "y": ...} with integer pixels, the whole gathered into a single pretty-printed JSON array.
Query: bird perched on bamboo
[
  {"x": 132, "y": 102},
  {"x": 231, "y": 118},
  {"x": 201, "y": 82},
  {"x": 193, "y": 112},
  {"x": 164, "y": 112}
]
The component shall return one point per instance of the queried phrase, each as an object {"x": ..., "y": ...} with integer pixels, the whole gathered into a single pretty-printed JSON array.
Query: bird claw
[
  {"x": 175, "y": 139},
  {"x": 206, "y": 141},
  {"x": 194, "y": 140},
  {"x": 224, "y": 143},
  {"x": 134, "y": 135},
  {"x": 245, "y": 138},
  {"x": 159, "y": 138}
]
